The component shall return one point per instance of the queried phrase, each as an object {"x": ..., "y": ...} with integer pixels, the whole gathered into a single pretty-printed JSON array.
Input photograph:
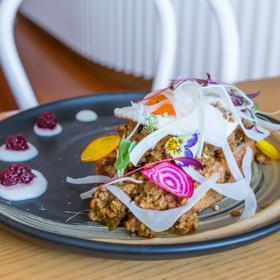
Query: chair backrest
[
  {"x": 229, "y": 41},
  {"x": 10, "y": 61},
  {"x": 22, "y": 89}
]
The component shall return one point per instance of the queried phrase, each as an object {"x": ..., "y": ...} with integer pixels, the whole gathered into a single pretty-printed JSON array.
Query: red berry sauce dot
[
  {"x": 47, "y": 120},
  {"x": 16, "y": 174},
  {"x": 16, "y": 143}
]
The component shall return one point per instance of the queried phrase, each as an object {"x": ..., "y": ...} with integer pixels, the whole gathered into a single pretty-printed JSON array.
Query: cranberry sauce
[
  {"x": 16, "y": 143},
  {"x": 16, "y": 174},
  {"x": 47, "y": 120}
]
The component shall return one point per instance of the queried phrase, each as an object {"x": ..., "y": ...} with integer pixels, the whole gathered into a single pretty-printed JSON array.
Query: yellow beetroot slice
[
  {"x": 100, "y": 148},
  {"x": 269, "y": 149}
]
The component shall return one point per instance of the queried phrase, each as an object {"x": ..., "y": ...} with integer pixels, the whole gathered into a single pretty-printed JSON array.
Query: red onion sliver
[{"x": 253, "y": 95}]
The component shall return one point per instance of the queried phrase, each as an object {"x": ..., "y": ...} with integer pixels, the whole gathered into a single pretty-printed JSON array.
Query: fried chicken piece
[
  {"x": 106, "y": 209},
  {"x": 125, "y": 129},
  {"x": 134, "y": 226},
  {"x": 105, "y": 166},
  {"x": 187, "y": 223},
  {"x": 153, "y": 197}
]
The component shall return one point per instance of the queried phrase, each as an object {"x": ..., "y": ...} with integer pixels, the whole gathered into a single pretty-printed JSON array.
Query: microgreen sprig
[
  {"x": 123, "y": 159},
  {"x": 150, "y": 121}
]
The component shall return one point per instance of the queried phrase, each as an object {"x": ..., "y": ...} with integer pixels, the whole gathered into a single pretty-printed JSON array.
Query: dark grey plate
[{"x": 58, "y": 158}]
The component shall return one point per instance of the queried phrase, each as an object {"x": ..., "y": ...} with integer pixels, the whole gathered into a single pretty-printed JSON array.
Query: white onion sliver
[
  {"x": 88, "y": 180},
  {"x": 234, "y": 190},
  {"x": 123, "y": 179},
  {"x": 264, "y": 132},
  {"x": 194, "y": 174},
  {"x": 201, "y": 127},
  {"x": 226, "y": 98},
  {"x": 134, "y": 130},
  {"x": 221, "y": 91},
  {"x": 202, "y": 189},
  {"x": 186, "y": 98},
  {"x": 235, "y": 171},
  {"x": 247, "y": 116},
  {"x": 250, "y": 204},
  {"x": 268, "y": 124},
  {"x": 161, "y": 220},
  {"x": 149, "y": 95},
  {"x": 239, "y": 190},
  {"x": 169, "y": 95},
  {"x": 250, "y": 200},
  {"x": 88, "y": 194},
  {"x": 240, "y": 92},
  {"x": 132, "y": 112},
  {"x": 246, "y": 164}
]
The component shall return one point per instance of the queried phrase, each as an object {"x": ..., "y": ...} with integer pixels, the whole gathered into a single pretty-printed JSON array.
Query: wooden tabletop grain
[{"x": 23, "y": 259}]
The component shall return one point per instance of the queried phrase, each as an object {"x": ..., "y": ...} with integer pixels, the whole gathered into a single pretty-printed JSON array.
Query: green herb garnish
[
  {"x": 150, "y": 121},
  {"x": 123, "y": 159},
  {"x": 256, "y": 105}
]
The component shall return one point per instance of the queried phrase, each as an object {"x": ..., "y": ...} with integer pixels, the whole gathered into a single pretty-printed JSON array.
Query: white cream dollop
[
  {"x": 45, "y": 132},
  {"x": 18, "y": 156},
  {"x": 86, "y": 116}
]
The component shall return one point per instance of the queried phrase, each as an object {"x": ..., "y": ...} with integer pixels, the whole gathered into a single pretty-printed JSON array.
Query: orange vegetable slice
[
  {"x": 100, "y": 148},
  {"x": 156, "y": 99},
  {"x": 163, "y": 109}
]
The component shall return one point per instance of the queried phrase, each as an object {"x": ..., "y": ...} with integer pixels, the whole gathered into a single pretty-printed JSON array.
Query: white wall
[{"x": 123, "y": 34}]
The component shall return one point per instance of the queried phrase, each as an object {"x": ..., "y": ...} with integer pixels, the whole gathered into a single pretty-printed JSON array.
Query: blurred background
[{"x": 76, "y": 47}]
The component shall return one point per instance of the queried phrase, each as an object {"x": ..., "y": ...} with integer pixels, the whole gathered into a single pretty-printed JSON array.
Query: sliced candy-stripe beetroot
[{"x": 172, "y": 178}]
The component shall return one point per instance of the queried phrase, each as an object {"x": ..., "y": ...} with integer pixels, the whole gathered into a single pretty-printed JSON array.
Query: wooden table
[{"x": 21, "y": 259}]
